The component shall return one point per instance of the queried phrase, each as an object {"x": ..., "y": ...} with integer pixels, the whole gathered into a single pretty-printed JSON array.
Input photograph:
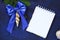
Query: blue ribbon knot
[{"x": 20, "y": 8}]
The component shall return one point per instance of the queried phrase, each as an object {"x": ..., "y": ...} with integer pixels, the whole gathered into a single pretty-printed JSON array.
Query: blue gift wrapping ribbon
[{"x": 20, "y": 8}]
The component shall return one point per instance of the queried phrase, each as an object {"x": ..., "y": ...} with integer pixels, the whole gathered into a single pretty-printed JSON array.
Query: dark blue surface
[{"x": 18, "y": 33}]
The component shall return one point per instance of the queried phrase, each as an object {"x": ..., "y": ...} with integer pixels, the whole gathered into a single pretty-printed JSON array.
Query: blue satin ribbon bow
[{"x": 20, "y": 8}]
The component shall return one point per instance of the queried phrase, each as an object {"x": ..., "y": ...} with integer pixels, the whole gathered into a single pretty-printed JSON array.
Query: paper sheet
[{"x": 40, "y": 22}]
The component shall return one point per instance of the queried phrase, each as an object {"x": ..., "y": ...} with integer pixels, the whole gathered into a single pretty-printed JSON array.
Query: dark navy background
[{"x": 18, "y": 33}]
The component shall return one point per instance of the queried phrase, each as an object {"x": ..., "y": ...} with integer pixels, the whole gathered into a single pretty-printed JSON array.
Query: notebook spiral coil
[{"x": 46, "y": 8}]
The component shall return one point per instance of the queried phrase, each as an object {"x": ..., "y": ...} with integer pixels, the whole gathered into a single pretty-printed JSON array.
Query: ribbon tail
[
  {"x": 24, "y": 22},
  {"x": 11, "y": 24}
]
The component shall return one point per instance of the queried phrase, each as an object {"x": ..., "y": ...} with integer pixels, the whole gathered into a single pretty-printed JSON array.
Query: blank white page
[{"x": 40, "y": 22}]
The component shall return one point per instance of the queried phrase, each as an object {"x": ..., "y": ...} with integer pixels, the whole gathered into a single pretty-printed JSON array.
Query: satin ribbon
[{"x": 20, "y": 8}]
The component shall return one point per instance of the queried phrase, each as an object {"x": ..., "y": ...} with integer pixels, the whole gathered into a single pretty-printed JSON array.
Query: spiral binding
[{"x": 46, "y": 9}]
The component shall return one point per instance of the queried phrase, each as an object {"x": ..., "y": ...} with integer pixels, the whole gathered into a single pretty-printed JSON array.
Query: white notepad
[{"x": 40, "y": 22}]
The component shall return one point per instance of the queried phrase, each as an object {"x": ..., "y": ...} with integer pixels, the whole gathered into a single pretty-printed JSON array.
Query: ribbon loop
[
  {"x": 9, "y": 9},
  {"x": 20, "y": 8}
]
